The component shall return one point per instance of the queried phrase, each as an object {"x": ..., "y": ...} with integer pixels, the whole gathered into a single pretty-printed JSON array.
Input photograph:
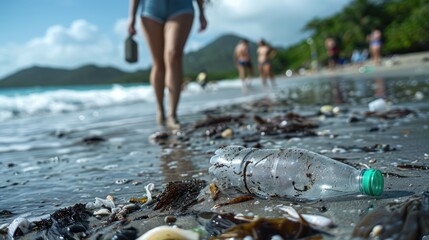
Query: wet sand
[{"x": 190, "y": 149}]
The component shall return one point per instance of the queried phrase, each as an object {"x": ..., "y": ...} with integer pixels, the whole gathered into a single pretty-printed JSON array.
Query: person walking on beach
[
  {"x": 375, "y": 46},
  {"x": 243, "y": 63},
  {"x": 265, "y": 53},
  {"x": 333, "y": 52},
  {"x": 166, "y": 26}
]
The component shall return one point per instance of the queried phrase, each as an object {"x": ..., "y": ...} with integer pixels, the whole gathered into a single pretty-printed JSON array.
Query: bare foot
[
  {"x": 172, "y": 123},
  {"x": 160, "y": 119}
]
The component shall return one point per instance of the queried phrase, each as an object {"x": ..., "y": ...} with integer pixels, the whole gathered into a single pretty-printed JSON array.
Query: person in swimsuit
[
  {"x": 265, "y": 53},
  {"x": 375, "y": 46},
  {"x": 333, "y": 52},
  {"x": 243, "y": 63},
  {"x": 166, "y": 26}
]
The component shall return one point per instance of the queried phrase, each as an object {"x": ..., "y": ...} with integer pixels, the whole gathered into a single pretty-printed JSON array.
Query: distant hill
[{"x": 215, "y": 58}]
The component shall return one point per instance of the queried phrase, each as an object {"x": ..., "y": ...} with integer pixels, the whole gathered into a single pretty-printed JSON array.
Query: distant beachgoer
[
  {"x": 265, "y": 53},
  {"x": 375, "y": 46},
  {"x": 244, "y": 63},
  {"x": 333, "y": 53},
  {"x": 202, "y": 79},
  {"x": 166, "y": 25}
]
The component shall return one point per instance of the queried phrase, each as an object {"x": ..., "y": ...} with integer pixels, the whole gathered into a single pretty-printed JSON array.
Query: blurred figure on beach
[
  {"x": 202, "y": 79},
  {"x": 243, "y": 63},
  {"x": 359, "y": 57},
  {"x": 332, "y": 52},
  {"x": 166, "y": 25},
  {"x": 265, "y": 54},
  {"x": 374, "y": 40}
]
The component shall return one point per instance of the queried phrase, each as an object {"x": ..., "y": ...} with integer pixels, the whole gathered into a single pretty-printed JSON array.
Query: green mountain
[{"x": 216, "y": 58}]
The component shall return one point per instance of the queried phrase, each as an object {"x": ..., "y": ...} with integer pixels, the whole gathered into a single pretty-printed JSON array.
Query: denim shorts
[{"x": 161, "y": 10}]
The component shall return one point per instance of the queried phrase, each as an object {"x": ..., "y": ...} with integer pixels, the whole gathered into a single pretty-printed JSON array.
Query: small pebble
[
  {"x": 170, "y": 219},
  {"x": 228, "y": 133},
  {"x": 372, "y": 161}
]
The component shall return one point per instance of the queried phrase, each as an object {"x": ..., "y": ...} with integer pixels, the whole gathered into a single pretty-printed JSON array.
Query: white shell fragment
[
  {"x": 167, "y": 232},
  {"x": 22, "y": 223},
  {"x": 149, "y": 188},
  {"x": 102, "y": 212},
  {"x": 99, "y": 202},
  {"x": 315, "y": 220}
]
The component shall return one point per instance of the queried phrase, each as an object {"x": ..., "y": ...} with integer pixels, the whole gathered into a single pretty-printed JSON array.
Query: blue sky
[{"x": 72, "y": 33}]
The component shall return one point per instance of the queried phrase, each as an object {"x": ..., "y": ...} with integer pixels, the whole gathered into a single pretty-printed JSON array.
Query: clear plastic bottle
[{"x": 289, "y": 173}]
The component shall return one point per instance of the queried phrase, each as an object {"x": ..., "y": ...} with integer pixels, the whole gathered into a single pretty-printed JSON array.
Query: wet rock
[
  {"x": 406, "y": 220},
  {"x": 93, "y": 140}
]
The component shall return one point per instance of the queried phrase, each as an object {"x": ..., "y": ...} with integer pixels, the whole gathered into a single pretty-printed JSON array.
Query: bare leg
[
  {"x": 242, "y": 75},
  {"x": 154, "y": 35},
  {"x": 176, "y": 33},
  {"x": 262, "y": 75},
  {"x": 270, "y": 75}
]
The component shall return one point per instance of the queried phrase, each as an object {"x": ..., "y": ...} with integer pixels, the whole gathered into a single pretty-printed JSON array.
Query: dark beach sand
[{"x": 185, "y": 155}]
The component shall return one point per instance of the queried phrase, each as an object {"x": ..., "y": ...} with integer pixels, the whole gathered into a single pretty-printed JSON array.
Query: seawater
[{"x": 45, "y": 164}]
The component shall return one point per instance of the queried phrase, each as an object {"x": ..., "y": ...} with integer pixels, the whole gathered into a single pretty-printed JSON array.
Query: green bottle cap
[{"x": 372, "y": 182}]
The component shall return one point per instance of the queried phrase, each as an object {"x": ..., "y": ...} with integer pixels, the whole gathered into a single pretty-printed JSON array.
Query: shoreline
[
  {"x": 404, "y": 134},
  {"x": 191, "y": 148}
]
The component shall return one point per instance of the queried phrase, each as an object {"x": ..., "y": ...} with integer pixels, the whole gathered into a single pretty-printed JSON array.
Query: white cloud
[{"x": 60, "y": 46}]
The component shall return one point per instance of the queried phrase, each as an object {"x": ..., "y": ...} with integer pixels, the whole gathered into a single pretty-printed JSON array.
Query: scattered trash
[
  {"x": 179, "y": 195},
  {"x": 314, "y": 220},
  {"x": 291, "y": 173},
  {"x": 406, "y": 220},
  {"x": 391, "y": 114},
  {"x": 292, "y": 124},
  {"x": 234, "y": 201},
  {"x": 411, "y": 167},
  {"x": 378, "y": 105},
  {"x": 268, "y": 228}
]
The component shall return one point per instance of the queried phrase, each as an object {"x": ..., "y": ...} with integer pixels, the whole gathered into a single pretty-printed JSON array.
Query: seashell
[
  {"x": 376, "y": 231},
  {"x": 315, "y": 220},
  {"x": 102, "y": 212},
  {"x": 166, "y": 232},
  {"x": 227, "y": 133},
  {"x": 18, "y": 223},
  {"x": 101, "y": 202},
  {"x": 131, "y": 207}
]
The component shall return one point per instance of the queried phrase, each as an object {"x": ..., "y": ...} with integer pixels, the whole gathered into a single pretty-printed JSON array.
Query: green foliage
[{"x": 404, "y": 23}]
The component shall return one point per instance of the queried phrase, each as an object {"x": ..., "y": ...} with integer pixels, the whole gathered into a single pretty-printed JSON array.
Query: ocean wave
[{"x": 67, "y": 100}]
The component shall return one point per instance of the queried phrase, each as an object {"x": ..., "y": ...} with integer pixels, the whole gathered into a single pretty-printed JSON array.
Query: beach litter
[
  {"x": 179, "y": 195},
  {"x": 405, "y": 220}
]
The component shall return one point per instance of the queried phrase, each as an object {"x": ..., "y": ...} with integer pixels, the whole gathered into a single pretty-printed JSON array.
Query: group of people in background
[
  {"x": 243, "y": 62},
  {"x": 358, "y": 57}
]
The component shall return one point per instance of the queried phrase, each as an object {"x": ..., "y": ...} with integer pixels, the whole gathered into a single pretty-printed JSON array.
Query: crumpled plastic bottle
[{"x": 290, "y": 173}]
